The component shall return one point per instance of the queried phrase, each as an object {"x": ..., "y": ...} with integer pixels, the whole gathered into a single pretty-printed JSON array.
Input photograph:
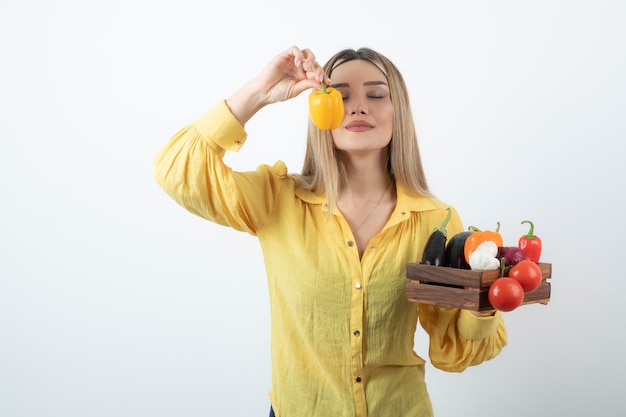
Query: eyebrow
[{"x": 367, "y": 83}]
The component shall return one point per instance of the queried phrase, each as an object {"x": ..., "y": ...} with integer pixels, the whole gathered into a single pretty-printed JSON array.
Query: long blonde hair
[{"x": 323, "y": 167}]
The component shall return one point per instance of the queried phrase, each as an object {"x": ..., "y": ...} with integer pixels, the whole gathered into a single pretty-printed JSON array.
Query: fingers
[
  {"x": 306, "y": 60},
  {"x": 314, "y": 70}
]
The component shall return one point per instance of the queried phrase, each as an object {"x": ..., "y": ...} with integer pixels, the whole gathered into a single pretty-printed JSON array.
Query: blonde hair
[{"x": 323, "y": 166}]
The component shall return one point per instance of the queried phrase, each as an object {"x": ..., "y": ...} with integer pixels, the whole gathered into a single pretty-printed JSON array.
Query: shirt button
[
  {"x": 350, "y": 243},
  {"x": 358, "y": 379},
  {"x": 358, "y": 286},
  {"x": 357, "y": 333}
]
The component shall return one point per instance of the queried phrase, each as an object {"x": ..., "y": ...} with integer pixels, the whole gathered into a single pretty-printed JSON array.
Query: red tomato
[
  {"x": 506, "y": 294},
  {"x": 528, "y": 274}
]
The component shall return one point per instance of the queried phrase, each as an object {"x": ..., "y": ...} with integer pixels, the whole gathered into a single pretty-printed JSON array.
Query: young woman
[{"x": 336, "y": 239}]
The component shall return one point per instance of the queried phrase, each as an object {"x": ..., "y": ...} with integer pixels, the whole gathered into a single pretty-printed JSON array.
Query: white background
[{"x": 114, "y": 301}]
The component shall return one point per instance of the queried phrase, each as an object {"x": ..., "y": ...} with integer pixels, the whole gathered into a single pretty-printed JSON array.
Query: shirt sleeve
[
  {"x": 190, "y": 169},
  {"x": 459, "y": 339}
]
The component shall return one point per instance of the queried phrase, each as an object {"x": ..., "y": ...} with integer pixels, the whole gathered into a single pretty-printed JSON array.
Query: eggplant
[
  {"x": 435, "y": 248},
  {"x": 455, "y": 255}
]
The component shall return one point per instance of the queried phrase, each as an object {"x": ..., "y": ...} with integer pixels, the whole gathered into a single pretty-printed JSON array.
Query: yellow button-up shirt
[{"x": 342, "y": 327}]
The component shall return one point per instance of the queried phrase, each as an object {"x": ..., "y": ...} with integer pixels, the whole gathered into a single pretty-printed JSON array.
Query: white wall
[{"x": 116, "y": 302}]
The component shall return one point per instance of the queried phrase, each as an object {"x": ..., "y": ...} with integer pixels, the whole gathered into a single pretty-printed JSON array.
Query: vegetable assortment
[{"x": 477, "y": 249}]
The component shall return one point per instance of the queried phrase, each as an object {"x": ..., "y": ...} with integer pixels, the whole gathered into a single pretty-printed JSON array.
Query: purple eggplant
[
  {"x": 455, "y": 255},
  {"x": 435, "y": 247}
]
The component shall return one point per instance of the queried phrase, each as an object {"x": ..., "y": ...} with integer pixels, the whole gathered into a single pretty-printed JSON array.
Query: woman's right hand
[{"x": 286, "y": 76}]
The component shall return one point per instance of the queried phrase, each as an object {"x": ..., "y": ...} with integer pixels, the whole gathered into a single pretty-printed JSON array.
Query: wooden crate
[{"x": 463, "y": 288}]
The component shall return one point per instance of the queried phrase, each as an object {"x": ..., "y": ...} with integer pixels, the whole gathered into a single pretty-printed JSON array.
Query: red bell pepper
[{"x": 530, "y": 244}]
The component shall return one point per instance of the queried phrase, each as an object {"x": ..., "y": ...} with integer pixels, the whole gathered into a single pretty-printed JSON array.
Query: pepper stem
[
  {"x": 324, "y": 88},
  {"x": 530, "y": 234},
  {"x": 476, "y": 229}
]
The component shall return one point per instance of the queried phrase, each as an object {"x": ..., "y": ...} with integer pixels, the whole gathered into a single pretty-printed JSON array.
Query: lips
[{"x": 359, "y": 125}]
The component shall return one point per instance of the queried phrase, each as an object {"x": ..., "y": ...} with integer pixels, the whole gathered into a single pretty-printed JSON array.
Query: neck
[
  {"x": 366, "y": 187},
  {"x": 366, "y": 178}
]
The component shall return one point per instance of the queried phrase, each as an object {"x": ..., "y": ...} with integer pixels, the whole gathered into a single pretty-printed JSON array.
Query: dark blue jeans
[{"x": 272, "y": 412}]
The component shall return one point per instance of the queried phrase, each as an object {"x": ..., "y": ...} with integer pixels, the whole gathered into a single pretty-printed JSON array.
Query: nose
[{"x": 358, "y": 109}]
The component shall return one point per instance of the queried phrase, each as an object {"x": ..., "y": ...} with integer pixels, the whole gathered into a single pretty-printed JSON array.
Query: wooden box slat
[
  {"x": 461, "y": 277},
  {"x": 462, "y": 288}
]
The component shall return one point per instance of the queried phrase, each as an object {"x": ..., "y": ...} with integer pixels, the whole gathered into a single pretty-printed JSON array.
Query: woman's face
[{"x": 368, "y": 112}]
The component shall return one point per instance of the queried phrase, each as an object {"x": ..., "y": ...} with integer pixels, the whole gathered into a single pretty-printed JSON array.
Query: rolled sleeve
[{"x": 227, "y": 135}]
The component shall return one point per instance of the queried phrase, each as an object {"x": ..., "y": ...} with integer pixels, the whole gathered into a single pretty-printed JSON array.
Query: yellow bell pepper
[{"x": 326, "y": 108}]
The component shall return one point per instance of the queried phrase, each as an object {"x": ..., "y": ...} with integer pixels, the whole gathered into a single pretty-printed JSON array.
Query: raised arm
[{"x": 286, "y": 76}]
